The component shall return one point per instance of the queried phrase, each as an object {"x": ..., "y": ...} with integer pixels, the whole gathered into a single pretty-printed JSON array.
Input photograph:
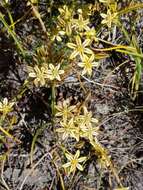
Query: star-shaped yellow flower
[
  {"x": 79, "y": 47},
  {"x": 68, "y": 129},
  {"x": 91, "y": 34},
  {"x": 39, "y": 73},
  {"x": 81, "y": 24},
  {"x": 87, "y": 63},
  {"x": 65, "y": 110},
  {"x": 54, "y": 72},
  {"x": 74, "y": 162},
  {"x": 86, "y": 119},
  {"x": 65, "y": 12},
  {"x": 89, "y": 132},
  {"x": 109, "y": 18},
  {"x": 65, "y": 19}
]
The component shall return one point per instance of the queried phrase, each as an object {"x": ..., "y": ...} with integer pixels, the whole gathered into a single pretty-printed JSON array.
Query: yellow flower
[
  {"x": 86, "y": 118},
  {"x": 74, "y": 162},
  {"x": 109, "y": 18},
  {"x": 65, "y": 110},
  {"x": 58, "y": 35},
  {"x": 68, "y": 129},
  {"x": 84, "y": 123},
  {"x": 65, "y": 12},
  {"x": 39, "y": 73},
  {"x": 54, "y": 72},
  {"x": 79, "y": 48},
  {"x": 81, "y": 24},
  {"x": 65, "y": 19},
  {"x": 66, "y": 26},
  {"x": 5, "y": 106},
  {"x": 87, "y": 63},
  {"x": 89, "y": 132},
  {"x": 91, "y": 34}
]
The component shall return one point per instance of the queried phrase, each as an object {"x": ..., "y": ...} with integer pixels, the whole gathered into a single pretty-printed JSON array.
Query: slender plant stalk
[
  {"x": 35, "y": 137},
  {"x": 38, "y": 16},
  {"x": 131, "y": 53},
  {"x": 6, "y": 132},
  {"x": 12, "y": 33},
  {"x": 11, "y": 20},
  {"x": 53, "y": 99},
  {"x": 114, "y": 48},
  {"x": 124, "y": 31},
  {"x": 131, "y": 8}
]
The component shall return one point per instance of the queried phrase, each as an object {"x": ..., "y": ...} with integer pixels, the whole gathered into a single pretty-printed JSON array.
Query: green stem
[
  {"x": 12, "y": 33},
  {"x": 125, "y": 32},
  {"x": 6, "y": 132},
  {"x": 130, "y": 53},
  {"x": 131, "y": 8},
  {"x": 11, "y": 19},
  {"x": 53, "y": 99}
]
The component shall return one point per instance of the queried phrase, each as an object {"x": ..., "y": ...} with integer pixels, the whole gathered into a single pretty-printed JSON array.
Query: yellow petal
[
  {"x": 79, "y": 167},
  {"x": 71, "y": 45},
  {"x": 78, "y": 41}
]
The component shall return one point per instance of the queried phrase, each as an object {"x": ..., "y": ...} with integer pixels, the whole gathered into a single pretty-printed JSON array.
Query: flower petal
[
  {"x": 66, "y": 165},
  {"x": 71, "y": 45},
  {"x": 77, "y": 154},
  {"x": 86, "y": 42},
  {"x": 81, "y": 64},
  {"x": 69, "y": 156},
  {"x": 79, "y": 167},
  {"x": 5, "y": 101},
  {"x": 88, "y": 51},
  {"x": 103, "y": 15},
  {"x": 81, "y": 159},
  {"x": 78, "y": 41},
  {"x": 65, "y": 135},
  {"x": 51, "y": 66},
  {"x": 74, "y": 54}
]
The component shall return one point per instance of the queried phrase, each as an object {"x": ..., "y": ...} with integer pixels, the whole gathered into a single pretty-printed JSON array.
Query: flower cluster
[
  {"x": 84, "y": 36},
  {"x": 74, "y": 125},
  {"x": 74, "y": 28},
  {"x": 42, "y": 73},
  {"x": 86, "y": 55}
]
